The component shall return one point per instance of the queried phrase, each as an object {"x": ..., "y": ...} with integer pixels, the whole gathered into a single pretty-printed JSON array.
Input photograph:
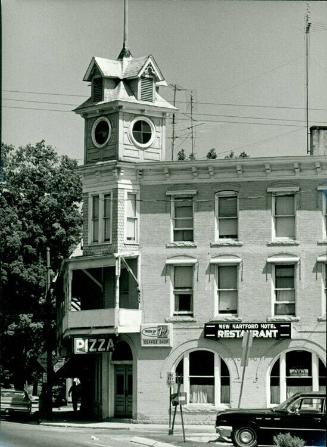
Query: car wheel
[{"x": 245, "y": 437}]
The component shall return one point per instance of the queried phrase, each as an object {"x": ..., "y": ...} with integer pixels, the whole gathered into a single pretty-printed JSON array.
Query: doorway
[{"x": 123, "y": 390}]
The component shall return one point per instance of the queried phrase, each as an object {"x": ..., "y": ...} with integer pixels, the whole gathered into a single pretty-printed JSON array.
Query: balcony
[
  {"x": 101, "y": 321},
  {"x": 101, "y": 297}
]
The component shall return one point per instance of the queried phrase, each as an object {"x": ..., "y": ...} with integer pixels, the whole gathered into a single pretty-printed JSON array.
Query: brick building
[{"x": 182, "y": 260}]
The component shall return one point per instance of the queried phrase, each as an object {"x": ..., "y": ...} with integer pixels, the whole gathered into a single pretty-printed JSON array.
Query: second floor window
[
  {"x": 131, "y": 218},
  {"x": 183, "y": 290},
  {"x": 227, "y": 215},
  {"x": 227, "y": 289},
  {"x": 95, "y": 218},
  {"x": 100, "y": 218},
  {"x": 284, "y": 216},
  {"x": 182, "y": 217},
  {"x": 284, "y": 290},
  {"x": 324, "y": 213}
]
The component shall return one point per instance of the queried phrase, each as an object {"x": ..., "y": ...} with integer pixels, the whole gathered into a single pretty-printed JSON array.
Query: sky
[{"x": 243, "y": 63}]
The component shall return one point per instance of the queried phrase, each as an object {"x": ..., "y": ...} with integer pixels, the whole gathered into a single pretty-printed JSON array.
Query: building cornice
[{"x": 289, "y": 168}]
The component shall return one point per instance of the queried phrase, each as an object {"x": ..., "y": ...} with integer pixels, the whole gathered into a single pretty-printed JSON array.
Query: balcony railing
[{"x": 102, "y": 321}]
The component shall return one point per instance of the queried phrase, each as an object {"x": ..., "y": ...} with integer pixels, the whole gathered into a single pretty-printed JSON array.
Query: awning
[
  {"x": 225, "y": 260},
  {"x": 283, "y": 259},
  {"x": 322, "y": 258},
  {"x": 178, "y": 260}
]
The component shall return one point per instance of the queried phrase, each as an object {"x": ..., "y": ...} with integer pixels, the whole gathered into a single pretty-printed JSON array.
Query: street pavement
[{"x": 70, "y": 434}]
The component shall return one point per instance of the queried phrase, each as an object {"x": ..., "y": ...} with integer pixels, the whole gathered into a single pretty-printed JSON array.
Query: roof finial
[{"x": 125, "y": 51}]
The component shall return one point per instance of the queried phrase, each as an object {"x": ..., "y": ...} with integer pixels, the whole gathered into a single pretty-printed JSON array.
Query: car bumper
[{"x": 224, "y": 432}]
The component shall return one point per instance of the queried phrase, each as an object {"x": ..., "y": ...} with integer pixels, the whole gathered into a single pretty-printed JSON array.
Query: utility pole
[
  {"x": 48, "y": 340},
  {"x": 173, "y": 135},
  {"x": 307, "y": 35},
  {"x": 192, "y": 127}
]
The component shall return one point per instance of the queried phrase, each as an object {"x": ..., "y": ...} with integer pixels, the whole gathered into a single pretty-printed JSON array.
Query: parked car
[
  {"x": 18, "y": 402},
  {"x": 302, "y": 415}
]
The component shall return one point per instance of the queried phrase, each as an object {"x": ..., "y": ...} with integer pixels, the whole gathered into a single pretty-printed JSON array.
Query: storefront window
[
  {"x": 204, "y": 376},
  {"x": 296, "y": 371}
]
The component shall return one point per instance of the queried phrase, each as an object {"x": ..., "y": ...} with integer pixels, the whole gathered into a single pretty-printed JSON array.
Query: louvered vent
[
  {"x": 147, "y": 89},
  {"x": 97, "y": 89}
]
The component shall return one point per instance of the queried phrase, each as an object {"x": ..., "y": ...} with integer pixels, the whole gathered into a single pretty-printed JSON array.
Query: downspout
[{"x": 117, "y": 273}]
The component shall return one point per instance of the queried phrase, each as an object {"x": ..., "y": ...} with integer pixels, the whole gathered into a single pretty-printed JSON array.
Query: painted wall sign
[
  {"x": 93, "y": 345},
  {"x": 156, "y": 335},
  {"x": 237, "y": 330}
]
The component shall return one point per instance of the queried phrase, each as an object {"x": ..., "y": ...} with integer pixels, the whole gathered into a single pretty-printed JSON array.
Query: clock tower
[{"x": 125, "y": 117}]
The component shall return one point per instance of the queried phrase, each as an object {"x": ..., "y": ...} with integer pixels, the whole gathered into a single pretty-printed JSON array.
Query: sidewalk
[{"x": 156, "y": 434}]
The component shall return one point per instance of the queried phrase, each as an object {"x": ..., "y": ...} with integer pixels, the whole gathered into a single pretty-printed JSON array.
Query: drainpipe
[{"x": 117, "y": 273}]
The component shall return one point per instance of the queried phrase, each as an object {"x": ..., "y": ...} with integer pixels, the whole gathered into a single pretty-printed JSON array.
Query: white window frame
[
  {"x": 172, "y": 290},
  {"x": 153, "y": 132},
  {"x": 273, "y": 289},
  {"x": 101, "y": 218},
  {"x": 217, "y": 377},
  {"x": 224, "y": 194},
  {"x": 282, "y": 373},
  {"x": 322, "y": 260},
  {"x": 180, "y": 195},
  {"x": 216, "y": 305},
  {"x": 283, "y": 191},
  {"x": 136, "y": 217},
  {"x": 323, "y": 190}
]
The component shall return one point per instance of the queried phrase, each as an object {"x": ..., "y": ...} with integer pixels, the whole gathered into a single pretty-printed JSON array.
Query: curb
[
  {"x": 64, "y": 425},
  {"x": 151, "y": 442}
]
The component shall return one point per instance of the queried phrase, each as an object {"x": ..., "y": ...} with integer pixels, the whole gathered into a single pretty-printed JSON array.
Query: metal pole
[
  {"x": 173, "y": 136},
  {"x": 169, "y": 423},
  {"x": 181, "y": 410},
  {"x": 307, "y": 31},
  {"x": 125, "y": 24},
  {"x": 48, "y": 339},
  {"x": 192, "y": 129}
]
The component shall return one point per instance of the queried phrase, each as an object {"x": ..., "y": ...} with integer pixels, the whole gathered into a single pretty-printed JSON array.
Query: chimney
[{"x": 318, "y": 140}]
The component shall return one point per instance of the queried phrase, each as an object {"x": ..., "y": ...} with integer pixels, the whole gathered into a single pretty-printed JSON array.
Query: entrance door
[{"x": 123, "y": 390}]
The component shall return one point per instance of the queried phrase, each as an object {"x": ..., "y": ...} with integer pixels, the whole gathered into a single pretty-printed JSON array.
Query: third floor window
[{"x": 227, "y": 215}]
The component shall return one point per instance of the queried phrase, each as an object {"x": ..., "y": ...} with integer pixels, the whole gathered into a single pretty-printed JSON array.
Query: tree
[
  {"x": 211, "y": 155},
  {"x": 39, "y": 207}
]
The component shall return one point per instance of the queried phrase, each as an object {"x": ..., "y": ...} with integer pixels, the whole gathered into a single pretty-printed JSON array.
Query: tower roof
[{"x": 125, "y": 68}]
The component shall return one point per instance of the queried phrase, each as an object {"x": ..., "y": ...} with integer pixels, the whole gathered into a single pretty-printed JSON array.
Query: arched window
[
  {"x": 296, "y": 371},
  {"x": 204, "y": 376}
]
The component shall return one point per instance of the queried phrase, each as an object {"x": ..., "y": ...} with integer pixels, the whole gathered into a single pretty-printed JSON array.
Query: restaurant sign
[
  {"x": 93, "y": 345},
  {"x": 277, "y": 331},
  {"x": 156, "y": 335}
]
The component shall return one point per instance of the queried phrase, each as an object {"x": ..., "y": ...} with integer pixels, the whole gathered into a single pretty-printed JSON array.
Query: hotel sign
[
  {"x": 278, "y": 331},
  {"x": 156, "y": 335},
  {"x": 93, "y": 345}
]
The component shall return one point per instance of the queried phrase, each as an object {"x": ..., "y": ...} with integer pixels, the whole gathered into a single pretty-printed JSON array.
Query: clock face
[
  {"x": 101, "y": 131},
  {"x": 142, "y": 132}
]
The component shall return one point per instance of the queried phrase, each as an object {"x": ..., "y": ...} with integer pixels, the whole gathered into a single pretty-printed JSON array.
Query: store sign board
[
  {"x": 156, "y": 335},
  {"x": 298, "y": 372},
  {"x": 93, "y": 345},
  {"x": 171, "y": 378},
  {"x": 224, "y": 330}
]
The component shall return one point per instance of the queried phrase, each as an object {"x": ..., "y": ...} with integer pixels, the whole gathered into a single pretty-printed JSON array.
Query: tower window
[
  {"x": 101, "y": 131},
  {"x": 97, "y": 89},
  {"x": 142, "y": 132},
  {"x": 147, "y": 89}
]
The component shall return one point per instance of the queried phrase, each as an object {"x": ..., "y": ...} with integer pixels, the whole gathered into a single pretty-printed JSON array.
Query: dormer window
[
  {"x": 147, "y": 89},
  {"x": 97, "y": 89}
]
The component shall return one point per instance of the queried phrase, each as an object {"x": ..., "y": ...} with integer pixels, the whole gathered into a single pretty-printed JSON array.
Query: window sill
[
  {"x": 181, "y": 244},
  {"x": 232, "y": 318},
  {"x": 283, "y": 318},
  {"x": 282, "y": 243},
  {"x": 322, "y": 318},
  {"x": 131, "y": 243},
  {"x": 98, "y": 244},
  {"x": 226, "y": 243},
  {"x": 323, "y": 242},
  {"x": 207, "y": 408},
  {"x": 181, "y": 319}
]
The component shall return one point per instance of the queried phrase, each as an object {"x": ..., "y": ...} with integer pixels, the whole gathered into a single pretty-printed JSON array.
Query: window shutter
[
  {"x": 97, "y": 89},
  {"x": 147, "y": 89}
]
